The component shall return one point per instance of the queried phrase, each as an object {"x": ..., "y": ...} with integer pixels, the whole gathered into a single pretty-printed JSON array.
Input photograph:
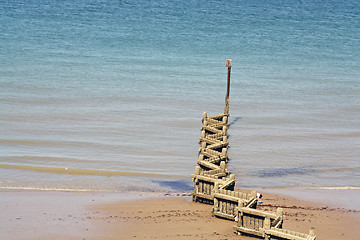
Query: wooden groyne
[{"x": 213, "y": 184}]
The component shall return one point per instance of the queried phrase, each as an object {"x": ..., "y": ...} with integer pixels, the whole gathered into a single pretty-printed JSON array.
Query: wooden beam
[
  {"x": 228, "y": 184},
  {"x": 224, "y": 215},
  {"x": 211, "y": 129},
  {"x": 208, "y": 165},
  {"x": 249, "y": 231},
  {"x": 256, "y": 212}
]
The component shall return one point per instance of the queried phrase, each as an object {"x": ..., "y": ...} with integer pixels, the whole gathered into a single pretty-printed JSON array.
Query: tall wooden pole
[{"x": 229, "y": 65}]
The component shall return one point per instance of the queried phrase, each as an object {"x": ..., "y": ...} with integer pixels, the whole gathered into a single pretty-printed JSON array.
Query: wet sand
[{"x": 84, "y": 215}]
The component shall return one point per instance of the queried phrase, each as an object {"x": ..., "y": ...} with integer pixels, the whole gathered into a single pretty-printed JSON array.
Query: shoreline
[
  {"x": 335, "y": 198},
  {"x": 106, "y": 215}
]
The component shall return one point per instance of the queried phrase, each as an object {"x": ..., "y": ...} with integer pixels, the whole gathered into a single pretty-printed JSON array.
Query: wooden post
[
  {"x": 216, "y": 187},
  {"x": 224, "y": 129},
  {"x": 229, "y": 65},
  {"x": 312, "y": 232},
  {"x": 197, "y": 170},
  {"x": 240, "y": 219},
  {"x": 224, "y": 152},
  {"x": 225, "y": 120},
  {"x": 267, "y": 223},
  {"x": 203, "y": 133},
  {"x": 222, "y": 165},
  {"x": 204, "y": 116}
]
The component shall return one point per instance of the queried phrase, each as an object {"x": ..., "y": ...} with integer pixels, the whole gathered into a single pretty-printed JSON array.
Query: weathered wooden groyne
[{"x": 213, "y": 184}]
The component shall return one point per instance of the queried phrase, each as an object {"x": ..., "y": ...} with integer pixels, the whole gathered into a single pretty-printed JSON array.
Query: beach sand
[{"x": 96, "y": 215}]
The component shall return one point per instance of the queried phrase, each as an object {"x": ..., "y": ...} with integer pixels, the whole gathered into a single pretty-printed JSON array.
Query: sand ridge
[{"x": 106, "y": 216}]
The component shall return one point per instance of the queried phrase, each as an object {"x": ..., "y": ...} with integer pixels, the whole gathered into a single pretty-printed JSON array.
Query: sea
[{"x": 108, "y": 95}]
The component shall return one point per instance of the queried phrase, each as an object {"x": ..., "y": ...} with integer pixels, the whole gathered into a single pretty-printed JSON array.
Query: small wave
[
  {"x": 333, "y": 188},
  {"x": 281, "y": 172},
  {"x": 75, "y": 171},
  {"x": 43, "y": 143},
  {"x": 316, "y": 188},
  {"x": 57, "y": 189},
  {"x": 348, "y": 169}
]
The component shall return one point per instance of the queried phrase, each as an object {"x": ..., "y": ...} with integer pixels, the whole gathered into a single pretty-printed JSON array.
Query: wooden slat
[
  {"x": 281, "y": 234},
  {"x": 208, "y": 165},
  {"x": 227, "y": 197},
  {"x": 211, "y": 129},
  {"x": 218, "y": 116},
  {"x": 218, "y": 145},
  {"x": 249, "y": 231},
  {"x": 201, "y": 195},
  {"x": 211, "y": 121},
  {"x": 209, "y": 140},
  {"x": 258, "y": 212},
  {"x": 224, "y": 215},
  {"x": 227, "y": 184},
  {"x": 216, "y": 136}
]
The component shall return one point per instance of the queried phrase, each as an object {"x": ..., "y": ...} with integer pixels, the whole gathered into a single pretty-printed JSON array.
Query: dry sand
[{"x": 68, "y": 215}]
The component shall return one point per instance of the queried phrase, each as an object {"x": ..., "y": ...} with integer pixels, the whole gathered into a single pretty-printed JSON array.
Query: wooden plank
[
  {"x": 224, "y": 215},
  {"x": 251, "y": 203},
  {"x": 226, "y": 197},
  {"x": 217, "y": 135},
  {"x": 249, "y": 231},
  {"x": 209, "y": 179},
  {"x": 240, "y": 219},
  {"x": 212, "y": 152},
  {"x": 246, "y": 220},
  {"x": 284, "y": 235},
  {"x": 216, "y": 172},
  {"x": 208, "y": 165},
  {"x": 261, "y": 223},
  {"x": 258, "y": 212},
  {"x": 256, "y": 226},
  {"x": 214, "y": 159},
  {"x": 201, "y": 195},
  {"x": 209, "y": 140},
  {"x": 227, "y": 207},
  {"x": 216, "y": 205},
  {"x": 219, "y": 125},
  {"x": 218, "y": 116},
  {"x": 211, "y": 129},
  {"x": 211, "y": 121},
  {"x": 218, "y": 145},
  {"x": 228, "y": 184},
  {"x": 252, "y": 223},
  {"x": 277, "y": 222}
]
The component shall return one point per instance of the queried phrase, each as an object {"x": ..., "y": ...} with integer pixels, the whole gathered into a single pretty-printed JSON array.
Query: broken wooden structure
[
  {"x": 252, "y": 221},
  {"x": 282, "y": 234},
  {"x": 213, "y": 184},
  {"x": 226, "y": 202}
]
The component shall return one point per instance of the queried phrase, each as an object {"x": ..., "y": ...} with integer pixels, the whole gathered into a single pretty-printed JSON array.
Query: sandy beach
[{"x": 97, "y": 215}]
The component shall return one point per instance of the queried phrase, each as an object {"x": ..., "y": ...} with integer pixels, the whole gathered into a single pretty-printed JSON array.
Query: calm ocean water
[{"x": 108, "y": 95}]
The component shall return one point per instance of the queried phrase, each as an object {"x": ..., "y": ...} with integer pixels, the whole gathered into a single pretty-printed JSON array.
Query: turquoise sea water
[{"x": 108, "y": 95}]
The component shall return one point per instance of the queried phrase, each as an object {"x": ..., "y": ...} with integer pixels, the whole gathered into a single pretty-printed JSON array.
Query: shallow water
[{"x": 108, "y": 95}]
